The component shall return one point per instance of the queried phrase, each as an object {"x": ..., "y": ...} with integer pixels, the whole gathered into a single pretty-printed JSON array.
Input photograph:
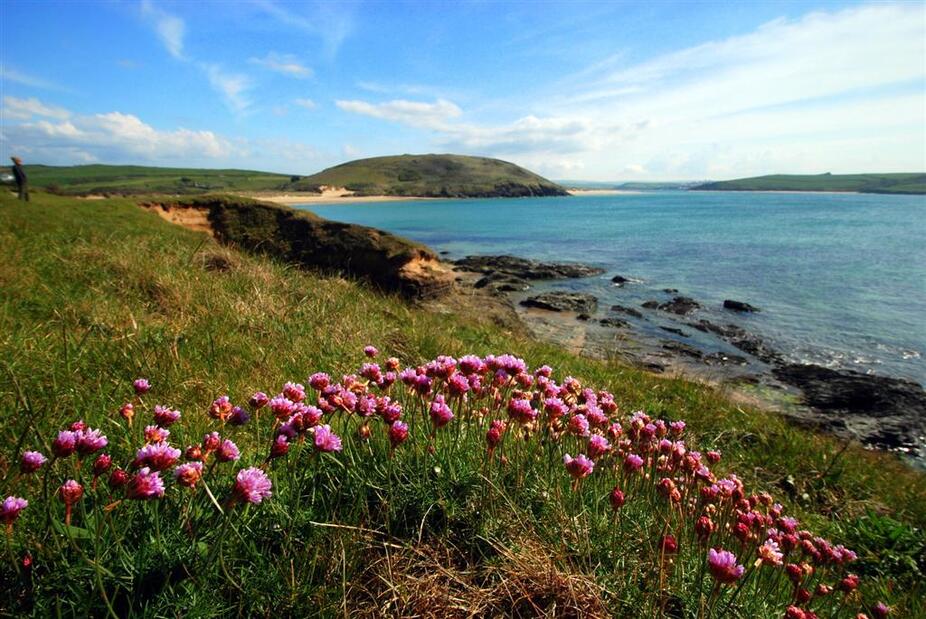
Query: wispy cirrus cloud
[
  {"x": 232, "y": 86},
  {"x": 169, "y": 28},
  {"x": 304, "y": 103},
  {"x": 434, "y": 115},
  {"x": 10, "y": 74},
  {"x": 14, "y": 108},
  {"x": 287, "y": 64},
  {"x": 330, "y": 21}
]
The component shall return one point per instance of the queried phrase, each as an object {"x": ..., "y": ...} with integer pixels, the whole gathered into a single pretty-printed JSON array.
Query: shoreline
[{"x": 339, "y": 195}]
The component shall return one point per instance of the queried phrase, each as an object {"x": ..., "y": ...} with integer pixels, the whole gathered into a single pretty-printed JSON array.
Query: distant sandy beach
[
  {"x": 602, "y": 192},
  {"x": 339, "y": 195}
]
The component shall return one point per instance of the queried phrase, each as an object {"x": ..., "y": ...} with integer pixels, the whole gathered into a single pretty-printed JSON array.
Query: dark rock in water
[
  {"x": 724, "y": 331},
  {"x": 675, "y": 331},
  {"x": 614, "y": 322},
  {"x": 721, "y": 358},
  {"x": 680, "y": 305},
  {"x": 896, "y": 408},
  {"x": 739, "y": 306},
  {"x": 757, "y": 348},
  {"x": 526, "y": 269},
  {"x": 620, "y": 280},
  {"x": 652, "y": 366},
  {"x": 563, "y": 302},
  {"x": 502, "y": 282},
  {"x": 626, "y": 310},
  {"x": 445, "y": 253},
  {"x": 650, "y": 304},
  {"x": 670, "y": 290},
  {"x": 583, "y": 317},
  {"x": 682, "y": 349}
]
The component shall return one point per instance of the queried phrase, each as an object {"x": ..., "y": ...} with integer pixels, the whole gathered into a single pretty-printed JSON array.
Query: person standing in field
[{"x": 22, "y": 183}]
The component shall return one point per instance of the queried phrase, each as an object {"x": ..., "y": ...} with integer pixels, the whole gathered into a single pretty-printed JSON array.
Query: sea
[{"x": 839, "y": 279}]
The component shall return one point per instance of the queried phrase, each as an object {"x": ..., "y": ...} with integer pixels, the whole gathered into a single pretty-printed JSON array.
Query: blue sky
[{"x": 597, "y": 91}]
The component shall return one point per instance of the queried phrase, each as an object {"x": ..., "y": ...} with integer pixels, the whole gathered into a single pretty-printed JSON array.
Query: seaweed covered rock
[{"x": 391, "y": 262}]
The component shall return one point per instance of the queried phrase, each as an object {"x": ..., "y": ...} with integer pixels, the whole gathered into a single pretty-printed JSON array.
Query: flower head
[
  {"x": 251, "y": 486},
  {"x": 70, "y": 492},
  {"x": 90, "y": 441},
  {"x": 31, "y": 461},
  {"x": 722, "y": 565},
  {"x": 579, "y": 467},
  {"x": 770, "y": 553},
  {"x": 616, "y": 498},
  {"x": 259, "y": 400},
  {"x": 633, "y": 463},
  {"x": 441, "y": 414},
  {"x": 280, "y": 446},
  {"x": 127, "y": 411},
  {"x": 141, "y": 386},
  {"x": 221, "y": 408},
  {"x": 520, "y": 410},
  {"x": 370, "y": 351},
  {"x": 102, "y": 464},
  {"x": 294, "y": 392},
  {"x": 145, "y": 485},
  {"x": 227, "y": 452},
  {"x": 326, "y": 440},
  {"x": 157, "y": 456},
  {"x": 189, "y": 473},
  {"x": 398, "y": 432},
  {"x": 319, "y": 381},
  {"x": 10, "y": 508},
  {"x": 598, "y": 446},
  {"x": 156, "y": 434},
  {"x": 282, "y": 407},
  {"x": 64, "y": 444},
  {"x": 164, "y": 416},
  {"x": 118, "y": 478},
  {"x": 211, "y": 442},
  {"x": 239, "y": 416}
]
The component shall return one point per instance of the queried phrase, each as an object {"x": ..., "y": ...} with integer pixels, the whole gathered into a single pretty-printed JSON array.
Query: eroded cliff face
[{"x": 388, "y": 261}]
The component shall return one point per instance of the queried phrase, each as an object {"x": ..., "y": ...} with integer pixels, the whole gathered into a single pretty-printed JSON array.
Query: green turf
[
  {"x": 913, "y": 183},
  {"x": 434, "y": 176},
  {"x": 96, "y": 293}
]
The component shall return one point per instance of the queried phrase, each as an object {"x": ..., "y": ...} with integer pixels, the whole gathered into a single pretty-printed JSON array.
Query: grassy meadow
[
  {"x": 903, "y": 183},
  {"x": 95, "y": 294}
]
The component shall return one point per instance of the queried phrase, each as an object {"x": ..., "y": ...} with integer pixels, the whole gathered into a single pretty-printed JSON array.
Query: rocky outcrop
[
  {"x": 620, "y": 280},
  {"x": 739, "y": 306},
  {"x": 502, "y": 282},
  {"x": 616, "y": 323},
  {"x": 680, "y": 305},
  {"x": 563, "y": 302},
  {"x": 883, "y": 411},
  {"x": 623, "y": 309},
  {"x": 388, "y": 261},
  {"x": 739, "y": 337},
  {"x": 523, "y": 268}
]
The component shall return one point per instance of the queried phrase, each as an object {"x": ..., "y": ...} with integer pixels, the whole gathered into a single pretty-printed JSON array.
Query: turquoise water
[{"x": 840, "y": 278}]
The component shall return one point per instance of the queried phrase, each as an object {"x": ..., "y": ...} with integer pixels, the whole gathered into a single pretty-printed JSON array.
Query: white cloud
[
  {"x": 413, "y": 113},
  {"x": 113, "y": 136},
  {"x": 286, "y": 64},
  {"x": 170, "y": 28},
  {"x": 12, "y": 75},
  {"x": 232, "y": 86},
  {"x": 308, "y": 104},
  {"x": 24, "y": 109}
]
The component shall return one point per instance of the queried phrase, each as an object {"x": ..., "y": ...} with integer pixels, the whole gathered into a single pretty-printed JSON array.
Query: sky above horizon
[{"x": 585, "y": 91}]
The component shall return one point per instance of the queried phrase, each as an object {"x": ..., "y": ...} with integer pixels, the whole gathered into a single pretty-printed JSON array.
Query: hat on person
[{"x": 16, "y": 159}]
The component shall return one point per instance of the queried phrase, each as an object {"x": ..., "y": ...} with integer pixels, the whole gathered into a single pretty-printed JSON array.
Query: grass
[
  {"x": 96, "y": 293},
  {"x": 127, "y": 179},
  {"x": 902, "y": 183},
  {"x": 434, "y": 176}
]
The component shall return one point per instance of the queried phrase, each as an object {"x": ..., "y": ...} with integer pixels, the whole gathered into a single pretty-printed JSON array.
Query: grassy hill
[
  {"x": 129, "y": 179},
  {"x": 912, "y": 183},
  {"x": 94, "y": 294},
  {"x": 445, "y": 176}
]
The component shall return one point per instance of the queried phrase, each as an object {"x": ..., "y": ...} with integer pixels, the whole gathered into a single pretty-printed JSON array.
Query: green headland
[{"x": 903, "y": 183}]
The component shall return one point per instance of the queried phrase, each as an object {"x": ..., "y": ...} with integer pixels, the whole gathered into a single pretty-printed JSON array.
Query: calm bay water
[{"x": 840, "y": 278}]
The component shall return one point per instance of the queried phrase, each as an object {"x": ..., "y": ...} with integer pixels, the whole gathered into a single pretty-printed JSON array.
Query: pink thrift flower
[
  {"x": 722, "y": 565},
  {"x": 156, "y": 434},
  {"x": 598, "y": 446},
  {"x": 90, "y": 441},
  {"x": 496, "y": 432},
  {"x": 578, "y": 425},
  {"x": 211, "y": 442},
  {"x": 145, "y": 485},
  {"x": 458, "y": 385},
  {"x": 294, "y": 392},
  {"x": 554, "y": 408},
  {"x": 713, "y": 456},
  {"x": 251, "y": 486},
  {"x": 157, "y": 456},
  {"x": 770, "y": 553},
  {"x": 282, "y": 407},
  {"x": 471, "y": 364},
  {"x": 370, "y": 351},
  {"x": 227, "y": 452},
  {"x": 319, "y": 381},
  {"x": 520, "y": 410},
  {"x": 141, "y": 386},
  {"x": 325, "y": 440},
  {"x": 398, "y": 432},
  {"x": 9, "y": 510},
  {"x": 259, "y": 400},
  {"x": 31, "y": 461},
  {"x": 633, "y": 463},
  {"x": 70, "y": 492},
  {"x": 64, "y": 444},
  {"x": 579, "y": 467},
  {"x": 280, "y": 446},
  {"x": 118, "y": 478},
  {"x": 220, "y": 408},
  {"x": 441, "y": 414},
  {"x": 102, "y": 464},
  {"x": 880, "y": 610},
  {"x": 616, "y": 498},
  {"x": 189, "y": 474},
  {"x": 127, "y": 412},
  {"x": 164, "y": 416}
]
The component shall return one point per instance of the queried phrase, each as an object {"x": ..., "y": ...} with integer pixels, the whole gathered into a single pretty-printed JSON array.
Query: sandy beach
[{"x": 329, "y": 195}]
